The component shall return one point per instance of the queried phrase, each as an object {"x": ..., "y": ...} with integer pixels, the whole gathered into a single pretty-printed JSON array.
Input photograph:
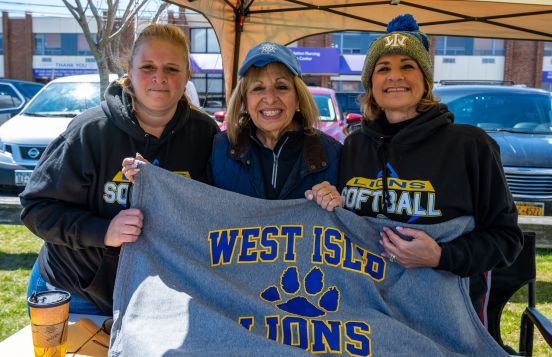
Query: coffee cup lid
[{"x": 49, "y": 298}]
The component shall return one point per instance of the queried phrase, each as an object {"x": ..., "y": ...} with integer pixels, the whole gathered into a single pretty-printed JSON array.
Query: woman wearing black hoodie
[
  {"x": 77, "y": 198},
  {"x": 411, "y": 164}
]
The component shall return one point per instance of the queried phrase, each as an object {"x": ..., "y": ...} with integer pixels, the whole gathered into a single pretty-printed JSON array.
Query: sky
[
  {"x": 50, "y": 7},
  {"x": 37, "y": 7}
]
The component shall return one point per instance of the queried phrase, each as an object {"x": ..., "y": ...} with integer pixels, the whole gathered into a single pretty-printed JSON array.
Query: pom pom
[
  {"x": 425, "y": 41},
  {"x": 403, "y": 23}
]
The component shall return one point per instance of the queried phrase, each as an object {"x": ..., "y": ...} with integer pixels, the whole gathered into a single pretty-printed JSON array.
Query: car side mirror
[
  {"x": 220, "y": 115},
  {"x": 352, "y": 118}
]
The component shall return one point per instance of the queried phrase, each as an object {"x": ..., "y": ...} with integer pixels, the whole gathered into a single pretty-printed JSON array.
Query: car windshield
[
  {"x": 349, "y": 102},
  {"x": 499, "y": 111},
  {"x": 65, "y": 99},
  {"x": 325, "y": 107}
]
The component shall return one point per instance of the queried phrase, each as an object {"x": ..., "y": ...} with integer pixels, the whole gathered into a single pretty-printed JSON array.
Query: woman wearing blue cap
[
  {"x": 410, "y": 163},
  {"x": 271, "y": 148}
]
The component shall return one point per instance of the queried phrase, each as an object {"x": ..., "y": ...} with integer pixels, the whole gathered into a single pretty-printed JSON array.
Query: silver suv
[
  {"x": 24, "y": 137},
  {"x": 520, "y": 120}
]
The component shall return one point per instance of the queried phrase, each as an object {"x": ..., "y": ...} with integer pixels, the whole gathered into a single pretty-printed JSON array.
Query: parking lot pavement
[
  {"x": 10, "y": 208},
  {"x": 540, "y": 225}
]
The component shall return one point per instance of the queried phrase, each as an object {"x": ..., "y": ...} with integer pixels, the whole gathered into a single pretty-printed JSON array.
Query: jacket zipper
[{"x": 275, "y": 163}]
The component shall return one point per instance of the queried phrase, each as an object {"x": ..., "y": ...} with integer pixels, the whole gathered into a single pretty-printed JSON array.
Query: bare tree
[{"x": 105, "y": 45}]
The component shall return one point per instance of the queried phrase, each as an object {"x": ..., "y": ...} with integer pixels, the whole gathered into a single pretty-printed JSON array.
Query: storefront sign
[
  {"x": 317, "y": 60},
  {"x": 51, "y": 67}
]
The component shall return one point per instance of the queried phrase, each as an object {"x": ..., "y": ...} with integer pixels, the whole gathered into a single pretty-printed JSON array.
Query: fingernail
[
  {"x": 399, "y": 228},
  {"x": 309, "y": 197},
  {"x": 380, "y": 242}
]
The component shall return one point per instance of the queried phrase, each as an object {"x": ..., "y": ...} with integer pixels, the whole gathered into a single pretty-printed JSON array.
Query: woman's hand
[
  {"x": 421, "y": 251},
  {"x": 125, "y": 227},
  {"x": 325, "y": 195},
  {"x": 130, "y": 166}
]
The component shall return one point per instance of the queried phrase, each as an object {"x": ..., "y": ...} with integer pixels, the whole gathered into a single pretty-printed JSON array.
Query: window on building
[
  {"x": 487, "y": 60},
  {"x": 454, "y": 46},
  {"x": 351, "y": 51},
  {"x": 61, "y": 44},
  {"x": 488, "y": 47},
  {"x": 82, "y": 46},
  {"x": 353, "y": 42},
  {"x": 47, "y": 44},
  {"x": 204, "y": 40},
  {"x": 347, "y": 86},
  {"x": 449, "y": 60},
  {"x": 1, "y": 44},
  {"x": 548, "y": 48},
  {"x": 210, "y": 89}
]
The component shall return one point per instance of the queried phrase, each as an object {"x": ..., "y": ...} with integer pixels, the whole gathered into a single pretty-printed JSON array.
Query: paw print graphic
[{"x": 328, "y": 301}]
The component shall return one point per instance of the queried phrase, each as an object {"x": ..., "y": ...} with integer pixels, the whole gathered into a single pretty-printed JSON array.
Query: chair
[{"x": 505, "y": 282}]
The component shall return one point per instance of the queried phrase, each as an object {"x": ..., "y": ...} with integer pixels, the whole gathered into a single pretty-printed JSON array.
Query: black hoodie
[
  {"x": 77, "y": 188},
  {"x": 435, "y": 171}
]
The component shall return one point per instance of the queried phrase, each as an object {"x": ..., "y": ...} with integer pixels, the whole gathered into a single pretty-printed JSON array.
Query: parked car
[
  {"x": 350, "y": 105},
  {"x": 520, "y": 120},
  {"x": 332, "y": 119},
  {"x": 14, "y": 94},
  {"x": 349, "y": 101},
  {"x": 24, "y": 137}
]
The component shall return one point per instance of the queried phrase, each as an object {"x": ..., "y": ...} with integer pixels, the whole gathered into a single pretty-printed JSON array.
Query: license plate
[
  {"x": 530, "y": 208},
  {"x": 22, "y": 177}
]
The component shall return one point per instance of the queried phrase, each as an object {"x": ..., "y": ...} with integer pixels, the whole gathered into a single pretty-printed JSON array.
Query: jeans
[{"x": 78, "y": 304}]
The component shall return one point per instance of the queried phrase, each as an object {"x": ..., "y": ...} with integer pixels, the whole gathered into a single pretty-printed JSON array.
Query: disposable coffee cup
[{"x": 49, "y": 312}]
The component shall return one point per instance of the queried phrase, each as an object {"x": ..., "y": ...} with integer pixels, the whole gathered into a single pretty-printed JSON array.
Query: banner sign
[{"x": 317, "y": 60}]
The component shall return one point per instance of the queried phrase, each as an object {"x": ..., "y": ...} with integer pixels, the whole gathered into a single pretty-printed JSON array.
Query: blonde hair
[
  {"x": 237, "y": 118},
  {"x": 161, "y": 32}
]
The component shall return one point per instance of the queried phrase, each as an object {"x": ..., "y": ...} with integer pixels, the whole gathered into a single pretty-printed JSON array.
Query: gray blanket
[{"x": 218, "y": 273}]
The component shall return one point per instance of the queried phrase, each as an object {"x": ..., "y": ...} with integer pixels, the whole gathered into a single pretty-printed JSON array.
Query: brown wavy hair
[
  {"x": 237, "y": 118},
  {"x": 162, "y": 32}
]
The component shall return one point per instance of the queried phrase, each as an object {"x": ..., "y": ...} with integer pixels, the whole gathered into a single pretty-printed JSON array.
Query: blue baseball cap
[{"x": 269, "y": 52}]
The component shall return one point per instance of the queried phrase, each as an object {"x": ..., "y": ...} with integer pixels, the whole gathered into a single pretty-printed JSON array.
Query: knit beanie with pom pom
[{"x": 403, "y": 37}]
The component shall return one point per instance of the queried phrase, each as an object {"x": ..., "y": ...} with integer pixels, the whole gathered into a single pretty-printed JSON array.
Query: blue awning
[
  {"x": 351, "y": 64},
  {"x": 205, "y": 63}
]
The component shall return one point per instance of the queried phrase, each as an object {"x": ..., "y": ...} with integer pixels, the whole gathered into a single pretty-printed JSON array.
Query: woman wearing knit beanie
[{"x": 410, "y": 163}]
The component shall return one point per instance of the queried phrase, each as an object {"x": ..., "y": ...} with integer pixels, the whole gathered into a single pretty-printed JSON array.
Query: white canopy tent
[{"x": 241, "y": 24}]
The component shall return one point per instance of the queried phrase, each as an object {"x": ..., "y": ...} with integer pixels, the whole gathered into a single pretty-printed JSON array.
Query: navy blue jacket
[{"x": 237, "y": 168}]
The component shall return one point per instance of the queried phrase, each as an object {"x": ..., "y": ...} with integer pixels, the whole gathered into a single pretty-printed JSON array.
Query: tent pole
[{"x": 240, "y": 19}]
